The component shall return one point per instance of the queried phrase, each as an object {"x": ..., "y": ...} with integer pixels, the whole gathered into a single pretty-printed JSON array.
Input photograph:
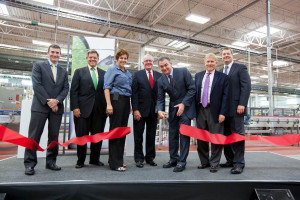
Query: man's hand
[
  {"x": 76, "y": 112},
  {"x": 52, "y": 102},
  {"x": 240, "y": 109},
  {"x": 221, "y": 118},
  {"x": 109, "y": 109},
  {"x": 180, "y": 107},
  {"x": 55, "y": 108},
  {"x": 162, "y": 115},
  {"x": 137, "y": 115}
]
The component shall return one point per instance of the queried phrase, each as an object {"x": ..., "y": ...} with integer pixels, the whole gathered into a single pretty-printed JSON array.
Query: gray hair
[
  {"x": 164, "y": 58},
  {"x": 210, "y": 55},
  {"x": 150, "y": 56}
]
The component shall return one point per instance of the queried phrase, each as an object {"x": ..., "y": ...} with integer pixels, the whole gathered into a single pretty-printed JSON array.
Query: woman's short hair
[{"x": 122, "y": 52}]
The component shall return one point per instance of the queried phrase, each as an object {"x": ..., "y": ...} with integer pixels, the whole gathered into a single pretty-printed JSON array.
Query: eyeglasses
[{"x": 148, "y": 61}]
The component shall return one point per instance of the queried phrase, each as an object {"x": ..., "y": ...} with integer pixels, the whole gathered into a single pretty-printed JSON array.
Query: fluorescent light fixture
[
  {"x": 180, "y": 44},
  {"x": 27, "y": 82},
  {"x": 262, "y": 32},
  {"x": 65, "y": 51},
  {"x": 279, "y": 63},
  {"x": 254, "y": 77},
  {"x": 151, "y": 49},
  {"x": 264, "y": 76},
  {"x": 3, "y": 80},
  {"x": 42, "y": 43},
  {"x": 50, "y": 2},
  {"x": 183, "y": 64},
  {"x": 127, "y": 66},
  {"x": 173, "y": 42},
  {"x": 240, "y": 44},
  {"x": 3, "y": 9},
  {"x": 197, "y": 18}
]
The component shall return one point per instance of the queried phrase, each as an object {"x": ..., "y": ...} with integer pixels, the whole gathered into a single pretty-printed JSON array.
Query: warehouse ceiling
[{"x": 158, "y": 24}]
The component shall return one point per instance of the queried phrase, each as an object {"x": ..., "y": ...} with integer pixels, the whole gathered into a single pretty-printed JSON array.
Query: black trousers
[
  {"x": 95, "y": 123},
  {"x": 235, "y": 152},
  {"x": 138, "y": 127},
  {"x": 175, "y": 138},
  {"x": 206, "y": 122},
  {"x": 119, "y": 118},
  {"x": 36, "y": 127}
]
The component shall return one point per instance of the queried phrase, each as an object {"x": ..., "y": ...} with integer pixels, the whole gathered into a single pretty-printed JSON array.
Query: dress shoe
[
  {"x": 151, "y": 162},
  {"x": 213, "y": 169},
  {"x": 78, "y": 165},
  {"x": 236, "y": 170},
  {"x": 29, "y": 171},
  {"x": 226, "y": 165},
  {"x": 169, "y": 165},
  {"x": 178, "y": 168},
  {"x": 139, "y": 164},
  {"x": 98, "y": 163},
  {"x": 53, "y": 167},
  {"x": 203, "y": 166}
]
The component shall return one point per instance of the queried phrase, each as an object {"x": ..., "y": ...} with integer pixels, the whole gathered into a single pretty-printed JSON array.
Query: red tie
[{"x": 150, "y": 79}]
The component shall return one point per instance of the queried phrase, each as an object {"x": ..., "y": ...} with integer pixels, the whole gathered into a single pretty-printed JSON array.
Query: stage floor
[{"x": 260, "y": 166}]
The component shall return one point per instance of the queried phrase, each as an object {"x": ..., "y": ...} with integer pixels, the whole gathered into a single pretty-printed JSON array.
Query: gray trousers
[{"x": 206, "y": 122}]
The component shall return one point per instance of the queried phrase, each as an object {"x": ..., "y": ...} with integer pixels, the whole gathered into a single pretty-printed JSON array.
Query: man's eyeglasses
[{"x": 148, "y": 61}]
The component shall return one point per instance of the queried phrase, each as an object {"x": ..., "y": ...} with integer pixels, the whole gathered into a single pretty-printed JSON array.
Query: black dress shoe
[
  {"x": 226, "y": 165},
  {"x": 178, "y": 168},
  {"x": 99, "y": 163},
  {"x": 29, "y": 171},
  {"x": 53, "y": 167},
  {"x": 78, "y": 165},
  {"x": 139, "y": 164},
  {"x": 151, "y": 162},
  {"x": 236, "y": 170},
  {"x": 169, "y": 165},
  {"x": 203, "y": 166},
  {"x": 213, "y": 169}
]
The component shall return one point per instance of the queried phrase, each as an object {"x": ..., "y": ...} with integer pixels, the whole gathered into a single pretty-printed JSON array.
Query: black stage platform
[{"x": 263, "y": 170}]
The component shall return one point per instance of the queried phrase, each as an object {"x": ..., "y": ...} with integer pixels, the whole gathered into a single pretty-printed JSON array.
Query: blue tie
[
  {"x": 205, "y": 91},
  {"x": 226, "y": 70}
]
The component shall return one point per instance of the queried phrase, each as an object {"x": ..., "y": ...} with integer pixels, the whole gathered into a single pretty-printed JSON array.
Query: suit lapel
[
  {"x": 146, "y": 80},
  {"x": 233, "y": 68},
  {"x": 59, "y": 73},
  {"x": 199, "y": 83},
  {"x": 216, "y": 78},
  {"x": 88, "y": 74}
]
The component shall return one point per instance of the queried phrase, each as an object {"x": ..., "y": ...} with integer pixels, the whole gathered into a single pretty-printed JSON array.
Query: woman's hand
[{"x": 109, "y": 109}]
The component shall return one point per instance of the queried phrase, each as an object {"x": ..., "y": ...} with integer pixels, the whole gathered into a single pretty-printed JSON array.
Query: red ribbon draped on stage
[
  {"x": 13, "y": 137},
  {"x": 221, "y": 139}
]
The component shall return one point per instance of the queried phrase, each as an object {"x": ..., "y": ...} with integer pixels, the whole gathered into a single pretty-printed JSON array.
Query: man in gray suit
[
  {"x": 238, "y": 95},
  {"x": 179, "y": 85},
  {"x": 50, "y": 86}
]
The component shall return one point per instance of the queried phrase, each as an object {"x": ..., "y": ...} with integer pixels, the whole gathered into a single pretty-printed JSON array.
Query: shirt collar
[
  {"x": 51, "y": 63},
  {"x": 229, "y": 66},
  {"x": 90, "y": 68},
  {"x": 118, "y": 68},
  {"x": 150, "y": 71},
  {"x": 211, "y": 73}
]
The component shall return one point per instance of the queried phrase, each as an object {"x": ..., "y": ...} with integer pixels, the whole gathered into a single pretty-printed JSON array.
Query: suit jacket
[
  {"x": 183, "y": 91},
  {"x": 45, "y": 88},
  {"x": 143, "y": 97},
  {"x": 239, "y": 88},
  {"x": 218, "y": 94},
  {"x": 84, "y": 95}
]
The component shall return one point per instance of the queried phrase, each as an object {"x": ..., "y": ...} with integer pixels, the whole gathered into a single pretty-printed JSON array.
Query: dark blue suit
[
  {"x": 239, "y": 92},
  {"x": 208, "y": 117},
  {"x": 183, "y": 91},
  {"x": 45, "y": 88},
  {"x": 144, "y": 100}
]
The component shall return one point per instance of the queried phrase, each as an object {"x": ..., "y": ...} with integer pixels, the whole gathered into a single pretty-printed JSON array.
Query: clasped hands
[{"x": 52, "y": 103}]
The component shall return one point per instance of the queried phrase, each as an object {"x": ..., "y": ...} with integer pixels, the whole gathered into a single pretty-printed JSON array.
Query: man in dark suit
[
  {"x": 179, "y": 85},
  {"x": 89, "y": 106},
  {"x": 211, "y": 101},
  {"x": 239, "y": 92},
  {"x": 50, "y": 86},
  {"x": 143, "y": 100}
]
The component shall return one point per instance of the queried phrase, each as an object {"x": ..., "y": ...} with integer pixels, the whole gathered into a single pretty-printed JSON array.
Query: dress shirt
[
  {"x": 211, "y": 76},
  {"x": 229, "y": 67},
  {"x": 96, "y": 72},
  {"x": 51, "y": 66},
  {"x": 151, "y": 71},
  {"x": 118, "y": 81}
]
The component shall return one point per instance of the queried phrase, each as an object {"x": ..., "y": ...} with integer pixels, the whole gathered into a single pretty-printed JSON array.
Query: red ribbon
[
  {"x": 8, "y": 135},
  {"x": 217, "y": 138}
]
